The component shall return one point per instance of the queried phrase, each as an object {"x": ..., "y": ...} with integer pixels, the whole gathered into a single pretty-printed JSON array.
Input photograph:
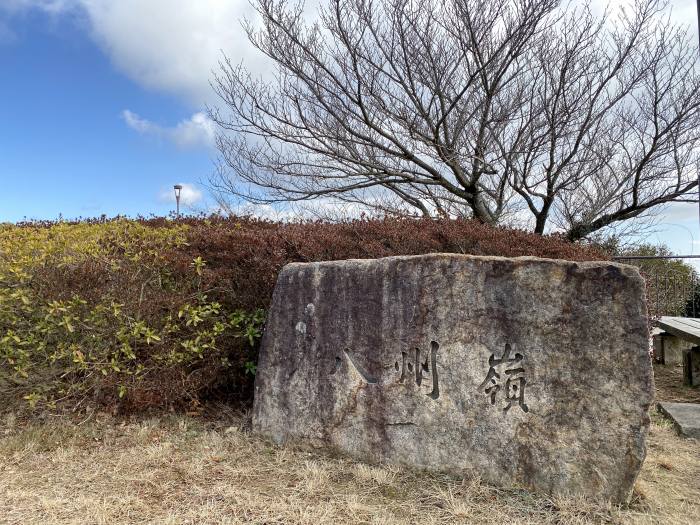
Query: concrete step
[{"x": 685, "y": 417}]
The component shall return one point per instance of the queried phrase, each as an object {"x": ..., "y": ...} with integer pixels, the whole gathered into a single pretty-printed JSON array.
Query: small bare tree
[{"x": 480, "y": 108}]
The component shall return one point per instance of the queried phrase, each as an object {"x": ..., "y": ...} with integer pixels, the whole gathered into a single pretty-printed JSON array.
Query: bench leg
[
  {"x": 668, "y": 349},
  {"x": 658, "y": 346},
  {"x": 691, "y": 366}
]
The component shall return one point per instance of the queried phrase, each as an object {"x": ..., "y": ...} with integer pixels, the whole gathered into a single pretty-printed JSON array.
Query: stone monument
[{"x": 527, "y": 372}]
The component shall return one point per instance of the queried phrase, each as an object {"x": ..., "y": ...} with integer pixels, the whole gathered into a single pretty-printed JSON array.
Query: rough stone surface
[
  {"x": 526, "y": 372},
  {"x": 671, "y": 348},
  {"x": 685, "y": 417},
  {"x": 691, "y": 366}
]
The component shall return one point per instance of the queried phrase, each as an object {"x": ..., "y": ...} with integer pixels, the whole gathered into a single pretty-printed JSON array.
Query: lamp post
[
  {"x": 696, "y": 166},
  {"x": 698, "y": 1},
  {"x": 178, "y": 191}
]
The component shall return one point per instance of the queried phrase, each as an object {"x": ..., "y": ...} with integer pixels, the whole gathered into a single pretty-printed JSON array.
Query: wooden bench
[{"x": 668, "y": 351}]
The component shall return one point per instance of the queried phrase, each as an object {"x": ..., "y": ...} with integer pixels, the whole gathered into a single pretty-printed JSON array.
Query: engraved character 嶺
[{"x": 515, "y": 381}]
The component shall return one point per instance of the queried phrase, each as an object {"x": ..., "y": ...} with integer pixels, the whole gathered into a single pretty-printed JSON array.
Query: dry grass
[
  {"x": 670, "y": 387},
  {"x": 178, "y": 469},
  {"x": 175, "y": 469}
]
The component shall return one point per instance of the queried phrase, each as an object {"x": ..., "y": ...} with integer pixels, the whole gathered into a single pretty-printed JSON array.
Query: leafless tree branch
[{"x": 479, "y": 108}]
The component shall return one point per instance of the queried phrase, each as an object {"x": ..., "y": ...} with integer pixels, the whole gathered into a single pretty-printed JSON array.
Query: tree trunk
[
  {"x": 481, "y": 210},
  {"x": 579, "y": 231},
  {"x": 542, "y": 216}
]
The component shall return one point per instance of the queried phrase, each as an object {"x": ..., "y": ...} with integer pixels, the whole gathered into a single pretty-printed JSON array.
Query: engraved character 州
[
  {"x": 416, "y": 368},
  {"x": 514, "y": 388}
]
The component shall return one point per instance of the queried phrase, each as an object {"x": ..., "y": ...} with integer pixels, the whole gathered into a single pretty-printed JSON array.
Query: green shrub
[
  {"x": 135, "y": 314},
  {"x": 135, "y": 337},
  {"x": 671, "y": 284}
]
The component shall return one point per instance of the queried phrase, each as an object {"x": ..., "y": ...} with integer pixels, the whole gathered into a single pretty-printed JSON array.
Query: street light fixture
[
  {"x": 696, "y": 166},
  {"x": 178, "y": 191}
]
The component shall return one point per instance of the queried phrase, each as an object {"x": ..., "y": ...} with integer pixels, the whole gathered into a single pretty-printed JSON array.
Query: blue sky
[
  {"x": 64, "y": 145},
  {"x": 74, "y": 136},
  {"x": 101, "y": 106}
]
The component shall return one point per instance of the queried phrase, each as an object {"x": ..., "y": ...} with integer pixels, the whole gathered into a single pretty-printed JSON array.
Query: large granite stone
[{"x": 526, "y": 372}]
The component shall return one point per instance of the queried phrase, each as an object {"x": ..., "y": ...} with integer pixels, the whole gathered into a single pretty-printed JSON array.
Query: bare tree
[{"x": 465, "y": 108}]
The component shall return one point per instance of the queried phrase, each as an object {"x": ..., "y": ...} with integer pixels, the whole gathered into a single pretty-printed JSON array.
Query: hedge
[{"x": 138, "y": 314}]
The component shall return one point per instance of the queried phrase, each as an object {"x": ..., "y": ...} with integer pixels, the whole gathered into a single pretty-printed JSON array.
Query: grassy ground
[
  {"x": 177, "y": 469},
  {"x": 670, "y": 387}
]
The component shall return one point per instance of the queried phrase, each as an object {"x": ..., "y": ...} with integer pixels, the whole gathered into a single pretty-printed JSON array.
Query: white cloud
[
  {"x": 318, "y": 209},
  {"x": 170, "y": 45},
  {"x": 190, "y": 195},
  {"x": 196, "y": 131},
  {"x": 174, "y": 45},
  {"x": 48, "y": 6},
  {"x": 680, "y": 212},
  {"x": 8, "y": 8},
  {"x": 137, "y": 123},
  {"x": 165, "y": 45},
  {"x": 266, "y": 211}
]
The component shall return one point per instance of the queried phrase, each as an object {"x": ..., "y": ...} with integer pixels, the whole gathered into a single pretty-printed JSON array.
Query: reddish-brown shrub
[
  {"x": 244, "y": 256},
  {"x": 153, "y": 277}
]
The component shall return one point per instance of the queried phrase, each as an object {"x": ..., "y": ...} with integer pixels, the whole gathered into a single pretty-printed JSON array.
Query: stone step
[{"x": 685, "y": 417}]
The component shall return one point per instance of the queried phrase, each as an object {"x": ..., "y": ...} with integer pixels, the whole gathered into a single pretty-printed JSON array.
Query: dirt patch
[{"x": 670, "y": 387}]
